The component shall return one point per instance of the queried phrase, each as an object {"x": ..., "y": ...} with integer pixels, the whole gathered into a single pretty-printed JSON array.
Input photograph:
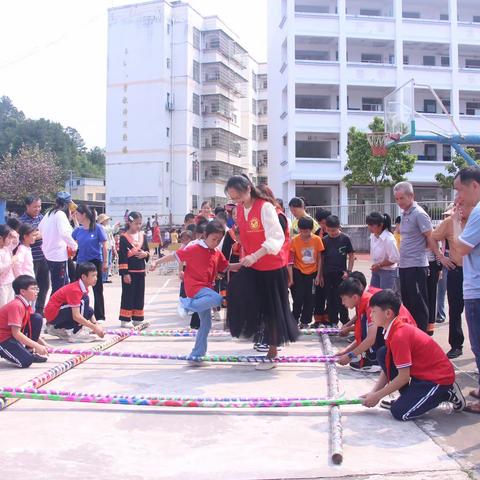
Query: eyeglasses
[{"x": 34, "y": 289}]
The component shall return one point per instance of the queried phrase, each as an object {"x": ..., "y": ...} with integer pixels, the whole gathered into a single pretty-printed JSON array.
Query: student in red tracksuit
[
  {"x": 258, "y": 294},
  {"x": 412, "y": 364},
  {"x": 368, "y": 338}
]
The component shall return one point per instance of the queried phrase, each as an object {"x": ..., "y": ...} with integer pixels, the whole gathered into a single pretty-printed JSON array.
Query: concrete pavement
[{"x": 71, "y": 441}]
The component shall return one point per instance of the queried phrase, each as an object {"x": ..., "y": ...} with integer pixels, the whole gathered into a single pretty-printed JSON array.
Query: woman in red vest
[{"x": 258, "y": 294}]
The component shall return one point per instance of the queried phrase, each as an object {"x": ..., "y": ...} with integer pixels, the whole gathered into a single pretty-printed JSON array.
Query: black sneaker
[
  {"x": 454, "y": 353},
  {"x": 457, "y": 398},
  {"x": 366, "y": 366},
  {"x": 36, "y": 358},
  {"x": 261, "y": 347},
  {"x": 440, "y": 320},
  {"x": 387, "y": 404},
  {"x": 304, "y": 325}
]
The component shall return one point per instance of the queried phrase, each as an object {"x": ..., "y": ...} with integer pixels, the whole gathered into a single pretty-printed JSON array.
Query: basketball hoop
[{"x": 378, "y": 142}]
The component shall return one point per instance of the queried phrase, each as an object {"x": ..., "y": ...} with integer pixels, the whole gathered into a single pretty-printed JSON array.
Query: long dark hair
[
  {"x": 83, "y": 209},
  {"x": 24, "y": 230},
  {"x": 240, "y": 183},
  {"x": 376, "y": 218}
]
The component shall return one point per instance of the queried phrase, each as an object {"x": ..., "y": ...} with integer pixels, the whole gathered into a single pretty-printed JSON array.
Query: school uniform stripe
[
  {"x": 431, "y": 392},
  {"x": 8, "y": 355}
]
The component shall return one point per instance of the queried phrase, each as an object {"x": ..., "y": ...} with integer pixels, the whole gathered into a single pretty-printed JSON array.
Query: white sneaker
[
  {"x": 182, "y": 313},
  {"x": 124, "y": 324},
  {"x": 102, "y": 320},
  {"x": 265, "y": 366},
  {"x": 136, "y": 323},
  {"x": 82, "y": 336},
  {"x": 56, "y": 332}
]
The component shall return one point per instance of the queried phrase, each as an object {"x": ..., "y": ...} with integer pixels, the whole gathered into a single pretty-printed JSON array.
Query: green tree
[
  {"x": 31, "y": 170},
  {"x": 365, "y": 169},
  {"x": 457, "y": 163}
]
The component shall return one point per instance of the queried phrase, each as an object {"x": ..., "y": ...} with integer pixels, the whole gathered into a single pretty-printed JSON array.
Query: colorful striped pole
[
  {"x": 63, "y": 367},
  {"x": 206, "y": 358},
  {"x": 162, "y": 401},
  {"x": 213, "y": 333},
  {"x": 336, "y": 430}
]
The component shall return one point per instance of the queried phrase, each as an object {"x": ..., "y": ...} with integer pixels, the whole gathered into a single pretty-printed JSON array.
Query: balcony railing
[{"x": 219, "y": 41}]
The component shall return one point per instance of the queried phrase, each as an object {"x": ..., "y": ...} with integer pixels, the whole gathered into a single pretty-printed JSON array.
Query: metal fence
[{"x": 355, "y": 215}]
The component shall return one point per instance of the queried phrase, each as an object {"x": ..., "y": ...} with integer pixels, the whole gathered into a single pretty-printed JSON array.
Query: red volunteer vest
[{"x": 252, "y": 235}]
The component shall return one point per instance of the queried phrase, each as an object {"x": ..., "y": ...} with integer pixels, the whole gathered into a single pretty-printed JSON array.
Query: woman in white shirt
[
  {"x": 57, "y": 238},
  {"x": 383, "y": 251}
]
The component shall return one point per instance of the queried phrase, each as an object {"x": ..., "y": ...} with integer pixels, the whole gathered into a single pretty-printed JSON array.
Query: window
[
  {"x": 265, "y": 83},
  {"x": 90, "y": 196},
  {"x": 472, "y": 63},
  {"x": 430, "y": 151},
  {"x": 196, "y": 38},
  {"x": 168, "y": 132},
  {"x": 168, "y": 63},
  {"x": 372, "y": 104},
  {"x": 429, "y": 60},
  {"x": 265, "y": 133},
  {"x": 285, "y": 140},
  {"x": 167, "y": 167},
  {"x": 196, "y": 137},
  {"x": 473, "y": 108},
  {"x": 254, "y": 81},
  {"x": 370, "y": 12},
  {"x": 196, "y": 71},
  {"x": 196, "y": 104},
  {"x": 371, "y": 58},
  {"x": 444, "y": 16},
  {"x": 167, "y": 201},
  {"x": 445, "y": 61},
  {"x": 430, "y": 106},
  {"x": 254, "y": 132},
  {"x": 194, "y": 202},
  {"x": 446, "y": 153},
  {"x": 411, "y": 14},
  {"x": 99, "y": 197},
  {"x": 168, "y": 28},
  {"x": 254, "y": 106},
  {"x": 476, "y": 19},
  {"x": 196, "y": 171},
  {"x": 254, "y": 158},
  {"x": 406, "y": 60}
]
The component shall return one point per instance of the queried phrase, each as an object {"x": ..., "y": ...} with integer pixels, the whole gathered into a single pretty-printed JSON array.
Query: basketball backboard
[{"x": 399, "y": 113}]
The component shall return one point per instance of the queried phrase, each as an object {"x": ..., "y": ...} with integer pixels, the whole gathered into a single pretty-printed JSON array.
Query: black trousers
[
  {"x": 434, "y": 270},
  {"x": 99, "y": 302},
  {"x": 455, "y": 307},
  {"x": 14, "y": 352},
  {"x": 42, "y": 275},
  {"x": 303, "y": 298},
  {"x": 133, "y": 298},
  {"x": 334, "y": 302},
  {"x": 413, "y": 284},
  {"x": 65, "y": 320},
  {"x": 320, "y": 301}
]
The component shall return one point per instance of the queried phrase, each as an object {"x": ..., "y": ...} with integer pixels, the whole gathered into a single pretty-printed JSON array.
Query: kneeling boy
[
  {"x": 68, "y": 309},
  {"x": 412, "y": 363},
  {"x": 20, "y": 341}
]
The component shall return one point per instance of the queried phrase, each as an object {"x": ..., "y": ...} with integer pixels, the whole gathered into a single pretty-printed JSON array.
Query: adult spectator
[
  {"x": 416, "y": 233},
  {"x": 205, "y": 212},
  {"x": 321, "y": 216},
  {"x": 32, "y": 216},
  {"x": 104, "y": 220},
  {"x": 92, "y": 247},
  {"x": 445, "y": 232},
  {"x": 57, "y": 238},
  {"x": 297, "y": 207},
  {"x": 467, "y": 185},
  {"x": 156, "y": 238}
]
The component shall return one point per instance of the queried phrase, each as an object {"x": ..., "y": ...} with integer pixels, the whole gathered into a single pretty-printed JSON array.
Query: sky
[{"x": 54, "y": 55}]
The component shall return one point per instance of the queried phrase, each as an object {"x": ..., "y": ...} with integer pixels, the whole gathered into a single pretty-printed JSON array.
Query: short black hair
[
  {"x": 214, "y": 227},
  {"x": 200, "y": 227},
  {"x": 30, "y": 199},
  {"x": 350, "y": 287},
  {"x": 22, "y": 282},
  {"x": 296, "y": 202},
  {"x": 398, "y": 220},
  {"x": 218, "y": 210},
  {"x": 468, "y": 175},
  {"x": 321, "y": 214},
  {"x": 360, "y": 277},
  {"x": 305, "y": 223},
  {"x": 202, "y": 221},
  {"x": 332, "y": 221},
  {"x": 192, "y": 227},
  {"x": 221, "y": 215},
  {"x": 188, "y": 217},
  {"x": 13, "y": 223},
  {"x": 386, "y": 299},
  {"x": 85, "y": 268}
]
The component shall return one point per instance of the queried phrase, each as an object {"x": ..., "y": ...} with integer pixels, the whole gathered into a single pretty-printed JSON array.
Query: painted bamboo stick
[
  {"x": 336, "y": 430},
  {"x": 206, "y": 358},
  {"x": 161, "y": 401},
  {"x": 80, "y": 357}
]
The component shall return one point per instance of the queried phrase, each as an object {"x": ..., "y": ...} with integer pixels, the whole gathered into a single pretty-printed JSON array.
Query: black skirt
[{"x": 259, "y": 300}]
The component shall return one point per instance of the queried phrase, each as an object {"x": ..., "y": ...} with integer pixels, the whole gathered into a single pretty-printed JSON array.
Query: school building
[
  {"x": 186, "y": 109},
  {"x": 331, "y": 62}
]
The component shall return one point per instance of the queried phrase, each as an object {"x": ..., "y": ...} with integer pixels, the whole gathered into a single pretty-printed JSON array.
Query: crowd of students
[{"x": 249, "y": 256}]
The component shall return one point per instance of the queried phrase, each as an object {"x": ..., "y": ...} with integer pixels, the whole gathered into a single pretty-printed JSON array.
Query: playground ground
[{"x": 54, "y": 440}]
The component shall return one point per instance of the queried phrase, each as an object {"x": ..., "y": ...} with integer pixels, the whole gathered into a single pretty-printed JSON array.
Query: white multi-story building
[
  {"x": 186, "y": 109},
  {"x": 331, "y": 62}
]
